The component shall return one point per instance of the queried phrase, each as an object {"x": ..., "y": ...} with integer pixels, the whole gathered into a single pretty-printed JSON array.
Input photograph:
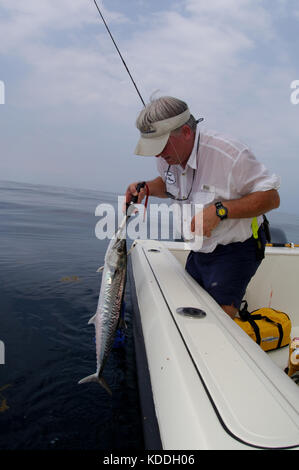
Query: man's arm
[
  {"x": 251, "y": 205},
  {"x": 157, "y": 187}
]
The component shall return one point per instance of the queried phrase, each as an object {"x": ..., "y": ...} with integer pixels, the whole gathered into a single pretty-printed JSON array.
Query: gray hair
[{"x": 162, "y": 108}]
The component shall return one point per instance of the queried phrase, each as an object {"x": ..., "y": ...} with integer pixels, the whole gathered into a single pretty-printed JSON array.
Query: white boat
[{"x": 203, "y": 382}]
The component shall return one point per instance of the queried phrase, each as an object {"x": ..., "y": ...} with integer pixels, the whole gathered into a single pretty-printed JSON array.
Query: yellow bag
[{"x": 269, "y": 328}]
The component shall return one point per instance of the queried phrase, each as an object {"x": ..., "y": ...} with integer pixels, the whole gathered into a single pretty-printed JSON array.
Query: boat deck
[
  {"x": 199, "y": 403},
  {"x": 271, "y": 295}
]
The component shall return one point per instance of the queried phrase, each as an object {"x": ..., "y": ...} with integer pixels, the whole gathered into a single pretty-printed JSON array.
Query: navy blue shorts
[{"x": 226, "y": 272}]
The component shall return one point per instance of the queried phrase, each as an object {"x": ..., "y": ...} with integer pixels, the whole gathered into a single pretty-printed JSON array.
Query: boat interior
[
  {"x": 201, "y": 364},
  {"x": 274, "y": 285}
]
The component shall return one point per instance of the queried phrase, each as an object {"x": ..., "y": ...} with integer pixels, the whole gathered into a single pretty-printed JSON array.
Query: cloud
[
  {"x": 228, "y": 59},
  {"x": 32, "y": 20},
  {"x": 83, "y": 65},
  {"x": 65, "y": 64},
  {"x": 198, "y": 50}
]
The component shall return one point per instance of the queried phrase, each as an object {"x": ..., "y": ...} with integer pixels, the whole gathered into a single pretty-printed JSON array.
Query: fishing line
[
  {"x": 127, "y": 69},
  {"x": 123, "y": 61}
]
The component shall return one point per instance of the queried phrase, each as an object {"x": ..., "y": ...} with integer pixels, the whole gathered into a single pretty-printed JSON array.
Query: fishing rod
[
  {"x": 119, "y": 53},
  {"x": 143, "y": 184}
]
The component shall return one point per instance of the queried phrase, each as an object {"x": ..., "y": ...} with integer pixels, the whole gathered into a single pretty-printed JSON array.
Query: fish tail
[
  {"x": 96, "y": 378},
  {"x": 92, "y": 319}
]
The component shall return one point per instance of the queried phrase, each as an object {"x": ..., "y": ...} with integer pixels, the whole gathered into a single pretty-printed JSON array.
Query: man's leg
[
  {"x": 231, "y": 310},
  {"x": 226, "y": 272}
]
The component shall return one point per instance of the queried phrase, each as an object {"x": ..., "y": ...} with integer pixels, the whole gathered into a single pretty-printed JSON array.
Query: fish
[{"x": 107, "y": 318}]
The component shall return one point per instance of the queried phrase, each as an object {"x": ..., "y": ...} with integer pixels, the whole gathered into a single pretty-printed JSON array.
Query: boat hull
[{"x": 212, "y": 387}]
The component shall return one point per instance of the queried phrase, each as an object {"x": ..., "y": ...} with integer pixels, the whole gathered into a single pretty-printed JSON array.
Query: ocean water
[{"x": 49, "y": 289}]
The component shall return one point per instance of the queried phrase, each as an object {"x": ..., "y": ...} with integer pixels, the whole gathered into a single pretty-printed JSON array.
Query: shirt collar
[{"x": 192, "y": 161}]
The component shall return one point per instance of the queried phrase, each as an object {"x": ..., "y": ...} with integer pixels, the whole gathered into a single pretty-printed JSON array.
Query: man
[{"x": 224, "y": 176}]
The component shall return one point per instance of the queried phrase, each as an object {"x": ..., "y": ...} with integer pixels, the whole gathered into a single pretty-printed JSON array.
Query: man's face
[{"x": 178, "y": 147}]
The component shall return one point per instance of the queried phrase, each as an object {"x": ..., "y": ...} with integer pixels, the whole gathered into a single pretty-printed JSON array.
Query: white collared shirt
[{"x": 224, "y": 169}]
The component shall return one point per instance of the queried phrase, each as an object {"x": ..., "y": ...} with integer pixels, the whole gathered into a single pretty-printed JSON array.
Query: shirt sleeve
[{"x": 248, "y": 175}]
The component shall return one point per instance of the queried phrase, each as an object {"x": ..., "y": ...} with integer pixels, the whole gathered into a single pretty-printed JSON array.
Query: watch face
[{"x": 222, "y": 211}]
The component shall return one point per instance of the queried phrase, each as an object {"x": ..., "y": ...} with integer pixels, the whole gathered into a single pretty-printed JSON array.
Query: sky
[{"x": 70, "y": 108}]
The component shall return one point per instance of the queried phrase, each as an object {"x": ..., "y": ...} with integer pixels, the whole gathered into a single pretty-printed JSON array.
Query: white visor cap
[{"x": 154, "y": 140}]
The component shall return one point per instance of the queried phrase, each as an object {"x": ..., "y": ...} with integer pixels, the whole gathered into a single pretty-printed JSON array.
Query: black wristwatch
[{"x": 221, "y": 211}]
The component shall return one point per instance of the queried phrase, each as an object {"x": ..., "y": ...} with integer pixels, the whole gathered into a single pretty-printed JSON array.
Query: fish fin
[
  {"x": 92, "y": 319},
  {"x": 100, "y": 269},
  {"x": 96, "y": 378},
  {"x": 104, "y": 384}
]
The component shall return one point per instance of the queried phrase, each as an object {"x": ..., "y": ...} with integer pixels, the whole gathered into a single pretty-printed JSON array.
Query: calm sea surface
[{"x": 49, "y": 289}]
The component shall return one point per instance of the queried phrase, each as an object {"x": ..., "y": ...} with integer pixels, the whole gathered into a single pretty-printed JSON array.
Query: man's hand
[
  {"x": 204, "y": 222},
  {"x": 132, "y": 191},
  {"x": 156, "y": 188}
]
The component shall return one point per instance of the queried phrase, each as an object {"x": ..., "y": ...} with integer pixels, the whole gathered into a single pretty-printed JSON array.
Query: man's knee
[{"x": 231, "y": 310}]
